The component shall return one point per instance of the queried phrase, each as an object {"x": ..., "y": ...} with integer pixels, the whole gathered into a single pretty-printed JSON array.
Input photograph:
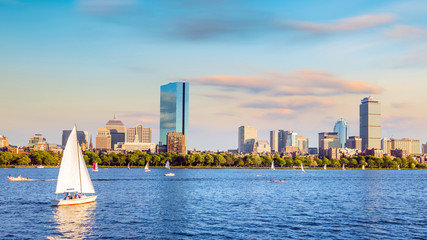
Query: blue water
[{"x": 221, "y": 204}]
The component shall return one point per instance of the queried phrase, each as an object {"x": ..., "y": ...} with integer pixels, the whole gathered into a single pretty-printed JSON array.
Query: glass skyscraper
[
  {"x": 173, "y": 110},
  {"x": 341, "y": 127}
]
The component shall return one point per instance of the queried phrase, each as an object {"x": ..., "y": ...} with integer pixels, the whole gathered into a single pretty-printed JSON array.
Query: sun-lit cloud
[
  {"x": 341, "y": 25},
  {"x": 296, "y": 83},
  {"x": 290, "y": 104},
  {"x": 405, "y": 31},
  {"x": 218, "y": 96}
]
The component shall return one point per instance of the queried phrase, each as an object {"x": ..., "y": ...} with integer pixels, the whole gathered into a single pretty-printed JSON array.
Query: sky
[{"x": 291, "y": 65}]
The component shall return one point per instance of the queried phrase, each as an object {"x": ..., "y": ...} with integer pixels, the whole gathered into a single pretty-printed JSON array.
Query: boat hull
[
  {"x": 13, "y": 179},
  {"x": 69, "y": 202},
  {"x": 170, "y": 174},
  {"x": 147, "y": 170}
]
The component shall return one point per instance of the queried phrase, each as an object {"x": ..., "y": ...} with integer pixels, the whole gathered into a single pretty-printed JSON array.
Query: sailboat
[
  {"x": 73, "y": 177},
  {"x": 302, "y": 168},
  {"x": 169, "y": 174},
  {"x": 272, "y": 166},
  {"x": 324, "y": 167},
  {"x": 398, "y": 167},
  {"x": 95, "y": 167},
  {"x": 343, "y": 167},
  {"x": 146, "y": 169},
  {"x": 129, "y": 166},
  {"x": 363, "y": 167}
]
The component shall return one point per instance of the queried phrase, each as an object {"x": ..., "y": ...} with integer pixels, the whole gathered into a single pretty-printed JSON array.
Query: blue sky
[{"x": 292, "y": 65}]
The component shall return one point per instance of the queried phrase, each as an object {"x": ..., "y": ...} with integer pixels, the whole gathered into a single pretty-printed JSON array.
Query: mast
[{"x": 78, "y": 159}]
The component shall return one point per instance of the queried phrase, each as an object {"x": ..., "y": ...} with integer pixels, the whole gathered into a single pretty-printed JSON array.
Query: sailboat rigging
[{"x": 169, "y": 174}]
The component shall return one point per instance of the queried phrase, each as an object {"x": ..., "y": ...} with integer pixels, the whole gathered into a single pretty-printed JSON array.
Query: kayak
[{"x": 282, "y": 181}]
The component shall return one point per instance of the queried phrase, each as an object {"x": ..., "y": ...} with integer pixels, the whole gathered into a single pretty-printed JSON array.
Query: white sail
[
  {"x": 363, "y": 167},
  {"x": 167, "y": 165},
  {"x": 73, "y": 174},
  {"x": 146, "y": 166},
  {"x": 302, "y": 168},
  {"x": 324, "y": 167},
  {"x": 272, "y": 165}
]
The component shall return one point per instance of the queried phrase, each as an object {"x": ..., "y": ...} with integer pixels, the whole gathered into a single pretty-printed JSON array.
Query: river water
[{"x": 221, "y": 204}]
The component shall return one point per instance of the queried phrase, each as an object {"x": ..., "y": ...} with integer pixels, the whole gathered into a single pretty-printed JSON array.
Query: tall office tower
[
  {"x": 386, "y": 146},
  {"x": 303, "y": 144},
  {"x": 274, "y": 141},
  {"x": 176, "y": 143},
  {"x": 38, "y": 138},
  {"x": 328, "y": 140},
  {"x": 131, "y": 134},
  {"x": 103, "y": 139},
  {"x": 370, "y": 123},
  {"x": 247, "y": 139},
  {"x": 424, "y": 149},
  {"x": 341, "y": 127},
  {"x": 90, "y": 144},
  {"x": 117, "y": 131},
  {"x": 354, "y": 142},
  {"x": 146, "y": 135},
  {"x": 174, "y": 110},
  {"x": 82, "y": 137},
  {"x": 291, "y": 139}
]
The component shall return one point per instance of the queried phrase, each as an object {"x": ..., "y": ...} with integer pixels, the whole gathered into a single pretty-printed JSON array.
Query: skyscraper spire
[{"x": 90, "y": 144}]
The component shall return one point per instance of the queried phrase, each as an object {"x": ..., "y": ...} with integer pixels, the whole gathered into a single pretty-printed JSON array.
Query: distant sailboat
[
  {"x": 146, "y": 169},
  {"x": 272, "y": 166},
  {"x": 95, "y": 167},
  {"x": 363, "y": 167},
  {"x": 169, "y": 174},
  {"x": 398, "y": 167},
  {"x": 324, "y": 167},
  {"x": 73, "y": 177},
  {"x": 129, "y": 166},
  {"x": 302, "y": 168},
  {"x": 343, "y": 167}
]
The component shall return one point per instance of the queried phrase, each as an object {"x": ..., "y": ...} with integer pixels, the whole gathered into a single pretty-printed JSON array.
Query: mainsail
[
  {"x": 73, "y": 174},
  {"x": 167, "y": 165}
]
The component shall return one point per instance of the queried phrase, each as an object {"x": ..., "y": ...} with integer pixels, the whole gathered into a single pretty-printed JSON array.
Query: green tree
[
  {"x": 221, "y": 160},
  {"x": 209, "y": 159},
  {"x": 190, "y": 159},
  {"x": 24, "y": 160},
  {"x": 288, "y": 161},
  {"x": 266, "y": 161}
]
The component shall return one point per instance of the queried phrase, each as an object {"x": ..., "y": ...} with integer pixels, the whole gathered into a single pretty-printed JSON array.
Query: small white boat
[
  {"x": 95, "y": 167},
  {"x": 146, "y": 169},
  {"x": 258, "y": 175},
  {"x": 40, "y": 166},
  {"x": 302, "y": 168},
  {"x": 169, "y": 174},
  {"x": 73, "y": 178},
  {"x": 343, "y": 167},
  {"x": 363, "y": 167},
  {"x": 18, "y": 179},
  {"x": 324, "y": 167},
  {"x": 272, "y": 165}
]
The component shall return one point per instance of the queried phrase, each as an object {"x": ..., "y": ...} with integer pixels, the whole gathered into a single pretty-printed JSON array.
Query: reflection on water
[{"x": 74, "y": 222}]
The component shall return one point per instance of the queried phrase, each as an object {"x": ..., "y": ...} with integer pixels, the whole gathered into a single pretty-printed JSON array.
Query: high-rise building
[
  {"x": 174, "y": 99},
  {"x": 354, "y": 142},
  {"x": 138, "y": 134},
  {"x": 176, "y": 143},
  {"x": 303, "y": 144},
  {"x": 103, "y": 139},
  {"x": 291, "y": 139},
  {"x": 370, "y": 123},
  {"x": 424, "y": 150},
  {"x": 90, "y": 144},
  {"x": 247, "y": 139},
  {"x": 274, "y": 141},
  {"x": 328, "y": 140},
  {"x": 263, "y": 146},
  {"x": 37, "y": 138},
  {"x": 82, "y": 137},
  {"x": 117, "y": 131},
  {"x": 410, "y": 146},
  {"x": 341, "y": 127}
]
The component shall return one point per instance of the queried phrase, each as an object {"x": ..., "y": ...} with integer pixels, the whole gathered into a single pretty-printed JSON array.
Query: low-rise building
[
  {"x": 135, "y": 146},
  {"x": 263, "y": 146},
  {"x": 176, "y": 143},
  {"x": 354, "y": 142}
]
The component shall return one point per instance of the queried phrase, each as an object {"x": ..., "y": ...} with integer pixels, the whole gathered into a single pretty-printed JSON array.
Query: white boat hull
[
  {"x": 63, "y": 202},
  {"x": 147, "y": 170},
  {"x": 18, "y": 179},
  {"x": 170, "y": 174}
]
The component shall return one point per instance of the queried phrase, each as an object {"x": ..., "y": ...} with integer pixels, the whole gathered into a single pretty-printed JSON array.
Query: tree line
[{"x": 139, "y": 158}]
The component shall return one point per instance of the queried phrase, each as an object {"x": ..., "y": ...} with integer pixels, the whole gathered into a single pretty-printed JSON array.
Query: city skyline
[{"x": 282, "y": 65}]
